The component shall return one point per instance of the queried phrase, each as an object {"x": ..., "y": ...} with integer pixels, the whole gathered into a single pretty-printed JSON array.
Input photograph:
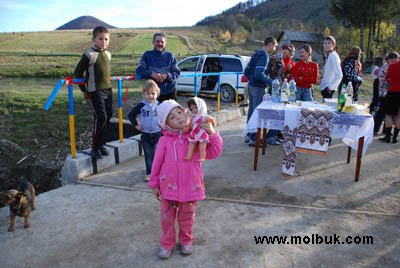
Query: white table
[{"x": 355, "y": 130}]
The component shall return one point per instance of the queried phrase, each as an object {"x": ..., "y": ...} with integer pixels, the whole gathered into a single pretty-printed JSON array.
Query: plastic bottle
[
  {"x": 342, "y": 99},
  {"x": 292, "y": 91},
  {"x": 267, "y": 97},
  {"x": 284, "y": 91},
  {"x": 349, "y": 94},
  {"x": 275, "y": 90}
]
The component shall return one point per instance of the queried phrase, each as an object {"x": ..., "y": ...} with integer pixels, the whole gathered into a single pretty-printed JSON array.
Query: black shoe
[
  {"x": 279, "y": 135},
  {"x": 388, "y": 135},
  {"x": 395, "y": 134},
  {"x": 104, "y": 151},
  {"x": 385, "y": 139},
  {"x": 246, "y": 140},
  {"x": 96, "y": 154}
]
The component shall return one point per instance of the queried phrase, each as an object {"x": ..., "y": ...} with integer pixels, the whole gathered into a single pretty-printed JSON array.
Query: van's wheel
[{"x": 228, "y": 94}]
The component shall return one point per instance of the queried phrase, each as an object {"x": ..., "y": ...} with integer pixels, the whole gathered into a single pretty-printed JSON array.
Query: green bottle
[{"x": 342, "y": 99}]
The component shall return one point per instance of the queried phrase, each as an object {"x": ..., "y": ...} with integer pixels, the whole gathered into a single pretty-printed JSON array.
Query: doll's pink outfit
[{"x": 197, "y": 133}]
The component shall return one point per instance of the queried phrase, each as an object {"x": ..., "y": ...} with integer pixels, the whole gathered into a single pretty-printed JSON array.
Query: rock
[{"x": 113, "y": 131}]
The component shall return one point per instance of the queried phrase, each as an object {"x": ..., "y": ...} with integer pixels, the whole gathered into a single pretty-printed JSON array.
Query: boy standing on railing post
[{"x": 94, "y": 66}]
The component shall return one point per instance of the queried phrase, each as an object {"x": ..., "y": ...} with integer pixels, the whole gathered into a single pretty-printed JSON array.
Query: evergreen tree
[{"x": 365, "y": 14}]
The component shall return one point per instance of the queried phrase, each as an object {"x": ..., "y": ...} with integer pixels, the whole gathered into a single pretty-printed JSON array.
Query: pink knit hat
[{"x": 164, "y": 108}]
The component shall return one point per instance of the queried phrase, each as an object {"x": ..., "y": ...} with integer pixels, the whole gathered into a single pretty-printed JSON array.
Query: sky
[{"x": 47, "y": 15}]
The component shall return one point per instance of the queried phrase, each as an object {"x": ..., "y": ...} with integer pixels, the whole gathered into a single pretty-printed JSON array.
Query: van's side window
[
  {"x": 188, "y": 65},
  {"x": 230, "y": 65}
]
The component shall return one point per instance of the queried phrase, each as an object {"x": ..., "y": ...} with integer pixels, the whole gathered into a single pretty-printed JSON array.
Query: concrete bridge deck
[{"x": 117, "y": 225}]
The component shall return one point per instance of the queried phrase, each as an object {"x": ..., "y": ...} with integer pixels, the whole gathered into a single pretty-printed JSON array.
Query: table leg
[
  {"x": 359, "y": 155},
  {"x": 264, "y": 142},
  {"x": 348, "y": 154},
  {"x": 256, "y": 148}
]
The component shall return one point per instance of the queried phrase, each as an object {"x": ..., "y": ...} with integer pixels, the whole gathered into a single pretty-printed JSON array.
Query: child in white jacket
[{"x": 332, "y": 74}]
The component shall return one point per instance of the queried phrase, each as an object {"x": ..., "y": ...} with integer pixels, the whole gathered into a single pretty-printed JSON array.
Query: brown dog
[{"x": 21, "y": 202}]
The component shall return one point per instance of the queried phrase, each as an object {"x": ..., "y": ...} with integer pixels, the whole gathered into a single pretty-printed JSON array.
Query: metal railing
[
  {"x": 195, "y": 75},
  {"x": 69, "y": 81}
]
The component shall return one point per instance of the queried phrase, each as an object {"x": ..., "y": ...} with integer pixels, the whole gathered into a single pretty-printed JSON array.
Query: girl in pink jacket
[{"x": 178, "y": 183}]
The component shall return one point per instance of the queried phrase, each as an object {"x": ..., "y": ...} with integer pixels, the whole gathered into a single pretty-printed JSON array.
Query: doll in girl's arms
[{"x": 198, "y": 110}]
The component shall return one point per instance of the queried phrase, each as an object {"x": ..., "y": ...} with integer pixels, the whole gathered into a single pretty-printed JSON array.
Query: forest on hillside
[{"x": 372, "y": 25}]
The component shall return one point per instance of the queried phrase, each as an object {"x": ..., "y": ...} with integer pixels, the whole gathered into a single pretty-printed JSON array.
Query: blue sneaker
[
  {"x": 253, "y": 143},
  {"x": 273, "y": 141}
]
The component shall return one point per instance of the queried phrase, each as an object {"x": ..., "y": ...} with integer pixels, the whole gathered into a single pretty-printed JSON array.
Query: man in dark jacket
[
  {"x": 258, "y": 80},
  {"x": 161, "y": 66}
]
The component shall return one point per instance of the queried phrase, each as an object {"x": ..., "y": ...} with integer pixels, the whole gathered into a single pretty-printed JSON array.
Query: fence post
[
  {"x": 120, "y": 123},
  {"x": 219, "y": 93},
  {"x": 237, "y": 89},
  {"x": 195, "y": 85},
  {"x": 71, "y": 117}
]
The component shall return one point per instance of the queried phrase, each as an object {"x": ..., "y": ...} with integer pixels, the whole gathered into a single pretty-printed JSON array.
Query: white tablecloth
[{"x": 348, "y": 127}]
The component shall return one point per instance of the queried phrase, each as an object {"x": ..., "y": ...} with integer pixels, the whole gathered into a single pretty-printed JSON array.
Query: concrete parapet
[
  {"x": 84, "y": 165},
  {"x": 232, "y": 114},
  {"x": 220, "y": 117}
]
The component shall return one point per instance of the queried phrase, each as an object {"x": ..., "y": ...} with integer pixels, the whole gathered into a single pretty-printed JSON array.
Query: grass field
[
  {"x": 56, "y": 53},
  {"x": 140, "y": 44}
]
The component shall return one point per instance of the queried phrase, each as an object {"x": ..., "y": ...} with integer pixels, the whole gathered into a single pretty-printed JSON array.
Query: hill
[
  {"x": 84, "y": 22},
  {"x": 272, "y": 16}
]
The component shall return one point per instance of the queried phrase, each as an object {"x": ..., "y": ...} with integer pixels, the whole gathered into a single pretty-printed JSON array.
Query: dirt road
[{"x": 90, "y": 226}]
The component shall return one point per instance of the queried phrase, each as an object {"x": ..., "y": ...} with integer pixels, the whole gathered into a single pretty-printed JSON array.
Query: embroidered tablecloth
[
  {"x": 305, "y": 132},
  {"x": 348, "y": 127}
]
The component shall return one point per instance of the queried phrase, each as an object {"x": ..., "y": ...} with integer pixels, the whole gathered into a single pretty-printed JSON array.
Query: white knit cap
[{"x": 164, "y": 108}]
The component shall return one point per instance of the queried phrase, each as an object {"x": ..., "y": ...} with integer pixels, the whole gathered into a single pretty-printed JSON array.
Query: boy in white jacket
[{"x": 332, "y": 74}]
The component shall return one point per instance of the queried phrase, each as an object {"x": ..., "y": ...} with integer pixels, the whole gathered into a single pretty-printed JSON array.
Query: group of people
[
  {"x": 386, "y": 96},
  {"x": 170, "y": 133},
  {"x": 336, "y": 75},
  {"x": 262, "y": 69}
]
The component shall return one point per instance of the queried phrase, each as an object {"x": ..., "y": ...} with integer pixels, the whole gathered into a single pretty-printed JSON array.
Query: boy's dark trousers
[
  {"x": 149, "y": 143},
  {"x": 102, "y": 108},
  {"x": 375, "y": 96},
  {"x": 356, "y": 89},
  {"x": 379, "y": 115},
  {"x": 169, "y": 96}
]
